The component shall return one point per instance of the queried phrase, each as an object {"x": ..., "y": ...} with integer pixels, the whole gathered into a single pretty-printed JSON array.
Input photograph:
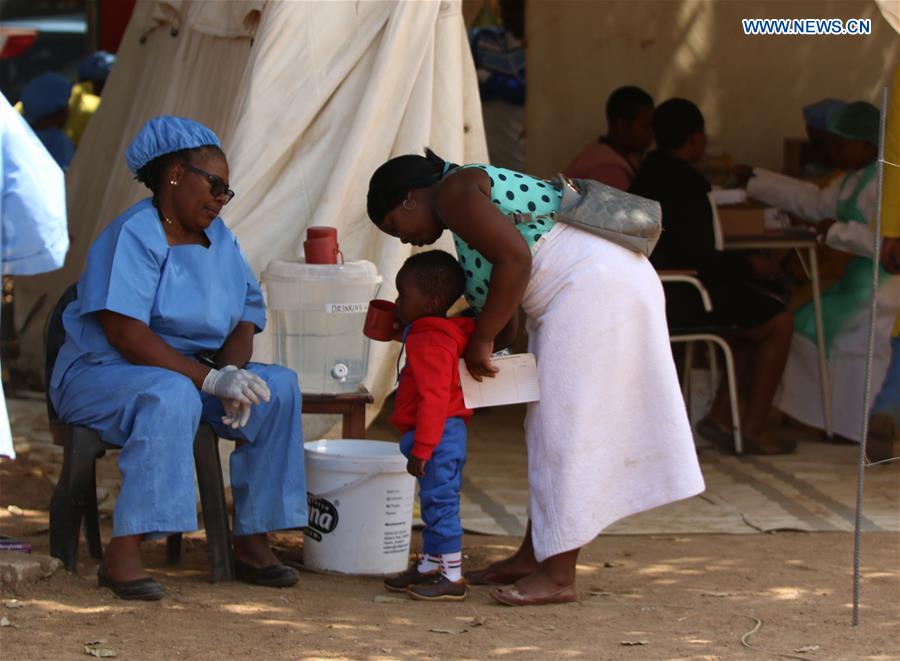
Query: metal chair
[
  {"x": 74, "y": 498},
  {"x": 710, "y": 335}
]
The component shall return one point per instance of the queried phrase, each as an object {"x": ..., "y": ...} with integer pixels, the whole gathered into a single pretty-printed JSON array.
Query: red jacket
[{"x": 429, "y": 390}]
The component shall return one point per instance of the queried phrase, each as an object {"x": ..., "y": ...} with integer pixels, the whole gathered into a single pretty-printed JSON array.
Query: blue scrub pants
[
  {"x": 153, "y": 414},
  {"x": 440, "y": 487},
  {"x": 888, "y": 398}
]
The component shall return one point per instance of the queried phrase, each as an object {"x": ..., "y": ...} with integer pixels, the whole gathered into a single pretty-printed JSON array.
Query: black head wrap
[{"x": 393, "y": 180}]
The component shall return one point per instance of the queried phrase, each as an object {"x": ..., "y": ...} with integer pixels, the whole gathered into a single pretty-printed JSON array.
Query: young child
[{"x": 430, "y": 412}]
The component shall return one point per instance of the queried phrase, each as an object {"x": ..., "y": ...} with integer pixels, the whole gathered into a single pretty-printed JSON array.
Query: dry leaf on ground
[{"x": 100, "y": 652}]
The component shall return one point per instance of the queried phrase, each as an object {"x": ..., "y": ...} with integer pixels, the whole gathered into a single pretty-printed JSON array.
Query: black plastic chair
[{"x": 75, "y": 496}]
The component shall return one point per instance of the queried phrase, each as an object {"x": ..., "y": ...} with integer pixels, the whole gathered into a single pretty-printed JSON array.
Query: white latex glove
[
  {"x": 233, "y": 383},
  {"x": 236, "y": 414}
]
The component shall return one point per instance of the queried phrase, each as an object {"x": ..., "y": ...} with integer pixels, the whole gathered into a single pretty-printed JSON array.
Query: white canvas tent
[{"x": 308, "y": 99}]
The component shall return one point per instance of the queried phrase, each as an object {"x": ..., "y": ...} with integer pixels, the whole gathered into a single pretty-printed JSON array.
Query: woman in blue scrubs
[{"x": 165, "y": 283}]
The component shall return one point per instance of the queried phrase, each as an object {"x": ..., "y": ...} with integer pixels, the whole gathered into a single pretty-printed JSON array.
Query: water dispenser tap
[{"x": 340, "y": 372}]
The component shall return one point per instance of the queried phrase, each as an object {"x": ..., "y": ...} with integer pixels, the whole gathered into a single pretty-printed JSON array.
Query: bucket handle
[{"x": 362, "y": 479}]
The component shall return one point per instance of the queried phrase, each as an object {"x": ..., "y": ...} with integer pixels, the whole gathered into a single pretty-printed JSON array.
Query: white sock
[
  {"x": 429, "y": 563},
  {"x": 451, "y": 566}
]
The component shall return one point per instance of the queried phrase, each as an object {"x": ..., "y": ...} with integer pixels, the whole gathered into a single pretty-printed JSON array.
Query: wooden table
[
  {"x": 798, "y": 241},
  {"x": 350, "y": 405}
]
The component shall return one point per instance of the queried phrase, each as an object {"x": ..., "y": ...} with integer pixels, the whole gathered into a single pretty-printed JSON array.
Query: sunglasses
[{"x": 216, "y": 186}]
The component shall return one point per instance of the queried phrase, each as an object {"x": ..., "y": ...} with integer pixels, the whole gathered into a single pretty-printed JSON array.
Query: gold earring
[{"x": 409, "y": 208}]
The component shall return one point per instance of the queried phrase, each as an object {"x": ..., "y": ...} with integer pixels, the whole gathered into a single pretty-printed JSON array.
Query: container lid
[
  {"x": 354, "y": 456},
  {"x": 360, "y": 271}
]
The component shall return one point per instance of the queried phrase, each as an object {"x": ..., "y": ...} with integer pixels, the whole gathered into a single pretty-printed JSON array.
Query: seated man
[
  {"x": 735, "y": 283},
  {"x": 613, "y": 158}
]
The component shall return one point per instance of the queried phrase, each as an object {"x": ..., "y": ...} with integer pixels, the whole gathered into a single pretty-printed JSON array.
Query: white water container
[
  {"x": 317, "y": 313},
  {"x": 360, "y": 507}
]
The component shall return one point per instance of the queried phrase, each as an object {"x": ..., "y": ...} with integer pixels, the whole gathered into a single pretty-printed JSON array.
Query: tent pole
[{"x": 861, "y": 463}]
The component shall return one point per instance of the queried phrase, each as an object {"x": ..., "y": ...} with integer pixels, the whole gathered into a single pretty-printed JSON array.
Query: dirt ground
[{"x": 641, "y": 597}]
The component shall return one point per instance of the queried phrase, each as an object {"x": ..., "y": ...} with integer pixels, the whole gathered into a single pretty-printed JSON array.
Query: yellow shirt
[{"x": 82, "y": 106}]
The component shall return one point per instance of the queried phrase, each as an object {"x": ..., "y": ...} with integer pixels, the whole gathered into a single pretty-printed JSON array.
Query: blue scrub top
[
  {"x": 33, "y": 233},
  {"x": 190, "y": 295}
]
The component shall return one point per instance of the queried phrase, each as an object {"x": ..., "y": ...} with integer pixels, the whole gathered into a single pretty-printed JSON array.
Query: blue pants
[
  {"x": 439, "y": 488},
  {"x": 888, "y": 398},
  {"x": 153, "y": 415}
]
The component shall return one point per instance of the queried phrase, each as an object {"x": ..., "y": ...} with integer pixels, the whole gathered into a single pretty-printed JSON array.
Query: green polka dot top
[{"x": 512, "y": 192}]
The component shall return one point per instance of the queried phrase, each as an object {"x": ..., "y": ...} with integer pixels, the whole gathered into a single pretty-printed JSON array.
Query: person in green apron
[
  {"x": 842, "y": 214},
  {"x": 853, "y": 292}
]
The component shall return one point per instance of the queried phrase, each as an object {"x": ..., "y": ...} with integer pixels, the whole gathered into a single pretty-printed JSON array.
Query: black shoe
[
  {"x": 412, "y": 576},
  {"x": 711, "y": 431},
  {"x": 439, "y": 588},
  {"x": 144, "y": 589},
  {"x": 273, "y": 576}
]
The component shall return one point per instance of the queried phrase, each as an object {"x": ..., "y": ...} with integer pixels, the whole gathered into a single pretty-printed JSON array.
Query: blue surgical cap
[
  {"x": 96, "y": 66},
  {"x": 44, "y": 95},
  {"x": 816, "y": 115},
  {"x": 163, "y": 135},
  {"x": 858, "y": 121}
]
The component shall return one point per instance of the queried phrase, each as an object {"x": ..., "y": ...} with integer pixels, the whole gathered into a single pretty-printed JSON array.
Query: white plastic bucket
[{"x": 360, "y": 507}]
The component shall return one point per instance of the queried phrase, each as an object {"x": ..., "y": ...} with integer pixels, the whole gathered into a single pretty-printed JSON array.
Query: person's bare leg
[
  {"x": 519, "y": 564},
  {"x": 760, "y": 354},
  {"x": 552, "y": 574},
  {"x": 122, "y": 558},
  {"x": 552, "y": 583},
  {"x": 742, "y": 352},
  {"x": 773, "y": 343}
]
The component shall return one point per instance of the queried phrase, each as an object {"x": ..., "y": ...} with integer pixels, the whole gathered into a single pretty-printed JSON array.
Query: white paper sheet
[
  {"x": 725, "y": 196},
  {"x": 515, "y": 383}
]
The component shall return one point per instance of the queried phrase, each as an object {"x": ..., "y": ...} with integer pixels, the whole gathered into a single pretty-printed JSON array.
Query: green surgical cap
[{"x": 856, "y": 121}]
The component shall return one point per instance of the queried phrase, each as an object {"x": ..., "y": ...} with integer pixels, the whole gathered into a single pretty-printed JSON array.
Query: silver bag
[{"x": 628, "y": 220}]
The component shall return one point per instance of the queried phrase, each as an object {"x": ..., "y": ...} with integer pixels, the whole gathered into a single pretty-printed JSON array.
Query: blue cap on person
[
  {"x": 816, "y": 115},
  {"x": 858, "y": 121},
  {"x": 44, "y": 95},
  {"x": 96, "y": 66},
  {"x": 163, "y": 135}
]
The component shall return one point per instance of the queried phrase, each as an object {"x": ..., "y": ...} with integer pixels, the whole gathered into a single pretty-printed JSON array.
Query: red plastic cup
[
  {"x": 380, "y": 320},
  {"x": 321, "y": 232},
  {"x": 321, "y": 251}
]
